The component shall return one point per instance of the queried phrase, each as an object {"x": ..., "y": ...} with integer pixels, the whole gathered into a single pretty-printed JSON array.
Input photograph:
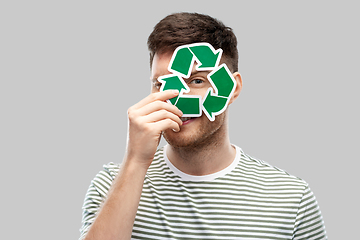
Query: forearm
[
  {"x": 147, "y": 120},
  {"x": 116, "y": 217}
]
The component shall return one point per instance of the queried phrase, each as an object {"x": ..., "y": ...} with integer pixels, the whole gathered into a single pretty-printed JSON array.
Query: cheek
[{"x": 198, "y": 91}]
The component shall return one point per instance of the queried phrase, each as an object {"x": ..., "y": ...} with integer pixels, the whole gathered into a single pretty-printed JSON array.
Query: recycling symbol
[{"x": 222, "y": 81}]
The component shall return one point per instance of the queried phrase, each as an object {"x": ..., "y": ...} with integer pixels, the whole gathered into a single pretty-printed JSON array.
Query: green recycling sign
[{"x": 222, "y": 81}]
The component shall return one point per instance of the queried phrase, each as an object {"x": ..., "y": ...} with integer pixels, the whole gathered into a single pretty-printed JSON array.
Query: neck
[{"x": 210, "y": 156}]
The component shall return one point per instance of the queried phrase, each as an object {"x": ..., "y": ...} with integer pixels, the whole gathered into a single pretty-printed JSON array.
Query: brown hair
[{"x": 186, "y": 28}]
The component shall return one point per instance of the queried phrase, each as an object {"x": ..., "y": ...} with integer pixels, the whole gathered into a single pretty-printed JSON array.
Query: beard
[{"x": 204, "y": 134}]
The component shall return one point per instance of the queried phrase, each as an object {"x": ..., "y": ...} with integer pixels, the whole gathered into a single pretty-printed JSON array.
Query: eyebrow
[{"x": 194, "y": 72}]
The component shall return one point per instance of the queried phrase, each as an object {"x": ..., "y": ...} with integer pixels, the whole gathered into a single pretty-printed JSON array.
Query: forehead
[{"x": 160, "y": 65}]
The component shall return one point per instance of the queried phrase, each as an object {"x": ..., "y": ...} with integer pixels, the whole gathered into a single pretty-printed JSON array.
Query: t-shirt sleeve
[
  {"x": 95, "y": 195},
  {"x": 309, "y": 223}
]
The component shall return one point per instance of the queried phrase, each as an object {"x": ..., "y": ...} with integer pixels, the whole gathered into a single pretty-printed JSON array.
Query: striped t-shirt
[{"x": 250, "y": 199}]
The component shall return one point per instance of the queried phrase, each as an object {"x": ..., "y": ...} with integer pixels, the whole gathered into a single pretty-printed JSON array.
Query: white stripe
[
  {"x": 224, "y": 228},
  {"x": 199, "y": 196},
  {"x": 240, "y": 212},
  {"x": 215, "y": 235},
  {"x": 221, "y": 224},
  {"x": 207, "y": 208}
]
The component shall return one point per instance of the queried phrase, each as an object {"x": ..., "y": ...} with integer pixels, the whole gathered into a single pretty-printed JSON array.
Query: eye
[{"x": 196, "y": 81}]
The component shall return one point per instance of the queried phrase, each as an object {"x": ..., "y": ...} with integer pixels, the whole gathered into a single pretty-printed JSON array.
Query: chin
[{"x": 181, "y": 140}]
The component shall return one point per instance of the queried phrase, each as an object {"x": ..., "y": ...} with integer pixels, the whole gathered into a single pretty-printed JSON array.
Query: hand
[{"x": 147, "y": 120}]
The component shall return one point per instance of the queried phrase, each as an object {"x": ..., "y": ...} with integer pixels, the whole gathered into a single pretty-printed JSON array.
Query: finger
[
  {"x": 161, "y": 115},
  {"x": 158, "y": 96},
  {"x": 165, "y": 124},
  {"x": 158, "y": 106}
]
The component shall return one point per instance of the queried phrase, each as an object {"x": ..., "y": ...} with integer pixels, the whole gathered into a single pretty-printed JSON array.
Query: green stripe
[{"x": 227, "y": 222}]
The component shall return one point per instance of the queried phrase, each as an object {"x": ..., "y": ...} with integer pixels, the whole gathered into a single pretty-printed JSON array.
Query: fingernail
[{"x": 176, "y": 91}]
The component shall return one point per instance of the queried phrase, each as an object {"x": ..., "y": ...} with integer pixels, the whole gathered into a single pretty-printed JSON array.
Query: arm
[{"x": 147, "y": 119}]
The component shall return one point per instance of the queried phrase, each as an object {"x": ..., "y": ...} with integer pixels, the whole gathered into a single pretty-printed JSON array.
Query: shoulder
[
  {"x": 109, "y": 171},
  {"x": 266, "y": 173},
  {"x": 283, "y": 186},
  {"x": 103, "y": 180}
]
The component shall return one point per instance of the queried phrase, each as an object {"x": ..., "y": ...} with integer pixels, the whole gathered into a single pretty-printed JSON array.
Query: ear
[{"x": 238, "y": 88}]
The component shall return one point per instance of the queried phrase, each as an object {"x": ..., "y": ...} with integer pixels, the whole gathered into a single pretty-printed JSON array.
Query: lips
[
  {"x": 187, "y": 120},
  {"x": 184, "y": 119}
]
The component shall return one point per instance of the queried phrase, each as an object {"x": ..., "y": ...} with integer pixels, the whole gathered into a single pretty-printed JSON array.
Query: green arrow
[
  {"x": 181, "y": 61},
  {"x": 173, "y": 82},
  {"x": 222, "y": 81},
  {"x": 189, "y": 105},
  {"x": 206, "y": 55},
  {"x": 213, "y": 105}
]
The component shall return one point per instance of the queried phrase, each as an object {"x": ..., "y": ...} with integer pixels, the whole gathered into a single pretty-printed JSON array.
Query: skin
[
  {"x": 201, "y": 147},
  {"x": 197, "y": 147}
]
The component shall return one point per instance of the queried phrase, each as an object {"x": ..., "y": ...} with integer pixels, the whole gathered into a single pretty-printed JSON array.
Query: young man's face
[{"x": 194, "y": 131}]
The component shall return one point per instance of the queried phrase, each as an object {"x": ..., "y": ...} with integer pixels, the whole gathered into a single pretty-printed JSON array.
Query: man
[{"x": 199, "y": 186}]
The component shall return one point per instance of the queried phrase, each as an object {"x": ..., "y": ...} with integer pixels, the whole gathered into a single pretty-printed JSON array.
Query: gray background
[{"x": 69, "y": 70}]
